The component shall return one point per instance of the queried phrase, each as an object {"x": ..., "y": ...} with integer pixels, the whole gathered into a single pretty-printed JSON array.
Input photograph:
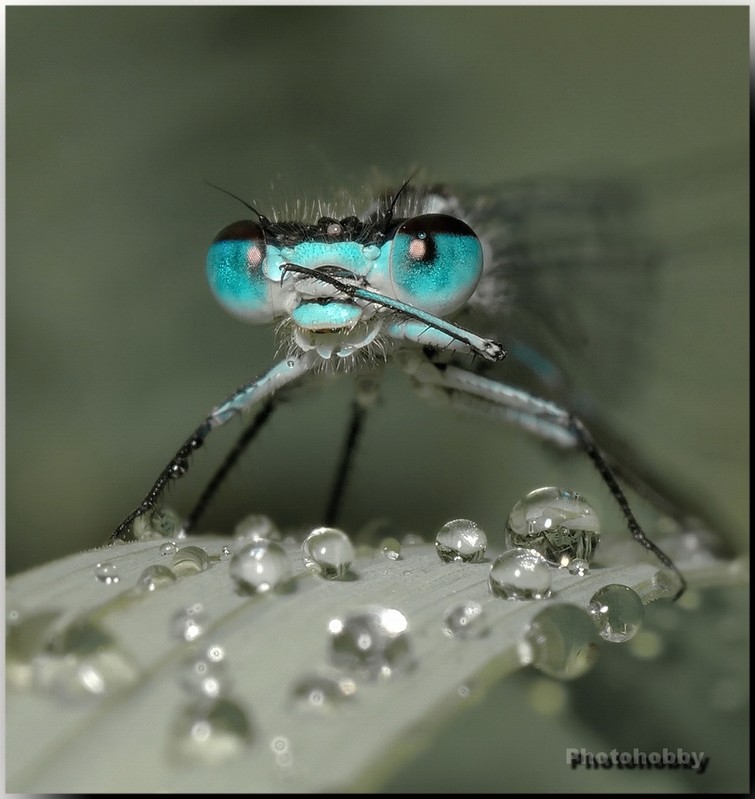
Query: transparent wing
[{"x": 609, "y": 294}]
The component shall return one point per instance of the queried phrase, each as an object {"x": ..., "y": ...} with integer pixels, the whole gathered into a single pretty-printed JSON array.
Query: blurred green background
[{"x": 116, "y": 350}]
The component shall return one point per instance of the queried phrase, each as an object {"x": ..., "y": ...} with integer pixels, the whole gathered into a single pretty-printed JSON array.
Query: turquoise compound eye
[
  {"x": 436, "y": 263},
  {"x": 235, "y": 264}
]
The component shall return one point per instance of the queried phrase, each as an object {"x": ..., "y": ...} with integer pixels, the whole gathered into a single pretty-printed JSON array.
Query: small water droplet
[
  {"x": 210, "y": 732},
  {"x": 328, "y": 552},
  {"x": 158, "y": 522},
  {"x": 107, "y": 573},
  {"x": 190, "y": 560},
  {"x": 25, "y": 639},
  {"x": 281, "y": 748},
  {"x": 372, "y": 644},
  {"x": 520, "y": 574},
  {"x": 155, "y": 577},
  {"x": 559, "y": 524},
  {"x": 204, "y": 673},
  {"x": 370, "y": 251},
  {"x": 465, "y": 620},
  {"x": 225, "y": 553},
  {"x": 561, "y": 641},
  {"x": 617, "y": 611},
  {"x": 391, "y": 548},
  {"x": 579, "y": 567},
  {"x": 168, "y": 548},
  {"x": 260, "y": 567},
  {"x": 255, "y": 527},
  {"x": 189, "y": 623},
  {"x": 461, "y": 540},
  {"x": 321, "y": 693}
]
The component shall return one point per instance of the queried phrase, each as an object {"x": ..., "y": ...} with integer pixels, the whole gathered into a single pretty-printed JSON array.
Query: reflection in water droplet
[
  {"x": 204, "y": 673},
  {"x": 255, "y": 527},
  {"x": 189, "y": 623},
  {"x": 371, "y": 644},
  {"x": 328, "y": 552},
  {"x": 106, "y": 573},
  {"x": 461, "y": 540},
  {"x": 190, "y": 560},
  {"x": 155, "y": 577},
  {"x": 391, "y": 548},
  {"x": 168, "y": 548},
  {"x": 617, "y": 611},
  {"x": 321, "y": 693},
  {"x": 559, "y": 524},
  {"x": 465, "y": 620},
  {"x": 520, "y": 574},
  {"x": 561, "y": 641},
  {"x": 210, "y": 732},
  {"x": 579, "y": 567},
  {"x": 160, "y": 522},
  {"x": 260, "y": 567}
]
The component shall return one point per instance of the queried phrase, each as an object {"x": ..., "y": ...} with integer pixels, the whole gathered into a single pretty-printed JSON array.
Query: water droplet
[
  {"x": 158, "y": 522},
  {"x": 465, "y": 620},
  {"x": 391, "y": 548},
  {"x": 321, "y": 693},
  {"x": 189, "y": 623},
  {"x": 24, "y": 640},
  {"x": 561, "y": 641},
  {"x": 259, "y": 567},
  {"x": 617, "y": 610},
  {"x": 107, "y": 573},
  {"x": 225, "y": 553},
  {"x": 204, "y": 673},
  {"x": 520, "y": 574},
  {"x": 579, "y": 567},
  {"x": 155, "y": 577},
  {"x": 255, "y": 527},
  {"x": 557, "y": 523},
  {"x": 210, "y": 732},
  {"x": 190, "y": 560},
  {"x": 372, "y": 644},
  {"x": 82, "y": 660},
  {"x": 461, "y": 539},
  {"x": 281, "y": 748},
  {"x": 328, "y": 552},
  {"x": 168, "y": 548},
  {"x": 370, "y": 251}
]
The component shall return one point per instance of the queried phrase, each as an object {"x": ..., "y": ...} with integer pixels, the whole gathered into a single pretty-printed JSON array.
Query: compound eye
[
  {"x": 435, "y": 263},
  {"x": 235, "y": 263}
]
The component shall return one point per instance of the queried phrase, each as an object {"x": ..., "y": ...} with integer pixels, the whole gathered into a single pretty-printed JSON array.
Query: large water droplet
[
  {"x": 190, "y": 560},
  {"x": 255, "y": 527},
  {"x": 372, "y": 644},
  {"x": 321, "y": 693},
  {"x": 465, "y": 620},
  {"x": 461, "y": 539},
  {"x": 155, "y": 577},
  {"x": 189, "y": 623},
  {"x": 520, "y": 574},
  {"x": 107, "y": 573},
  {"x": 159, "y": 522},
  {"x": 210, "y": 732},
  {"x": 328, "y": 552},
  {"x": 260, "y": 567},
  {"x": 557, "y": 523},
  {"x": 618, "y": 611},
  {"x": 25, "y": 639},
  {"x": 83, "y": 660},
  {"x": 561, "y": 641}
]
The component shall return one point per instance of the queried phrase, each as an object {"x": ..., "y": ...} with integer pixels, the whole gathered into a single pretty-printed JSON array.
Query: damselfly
[{"x": 426, "y": 278}]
